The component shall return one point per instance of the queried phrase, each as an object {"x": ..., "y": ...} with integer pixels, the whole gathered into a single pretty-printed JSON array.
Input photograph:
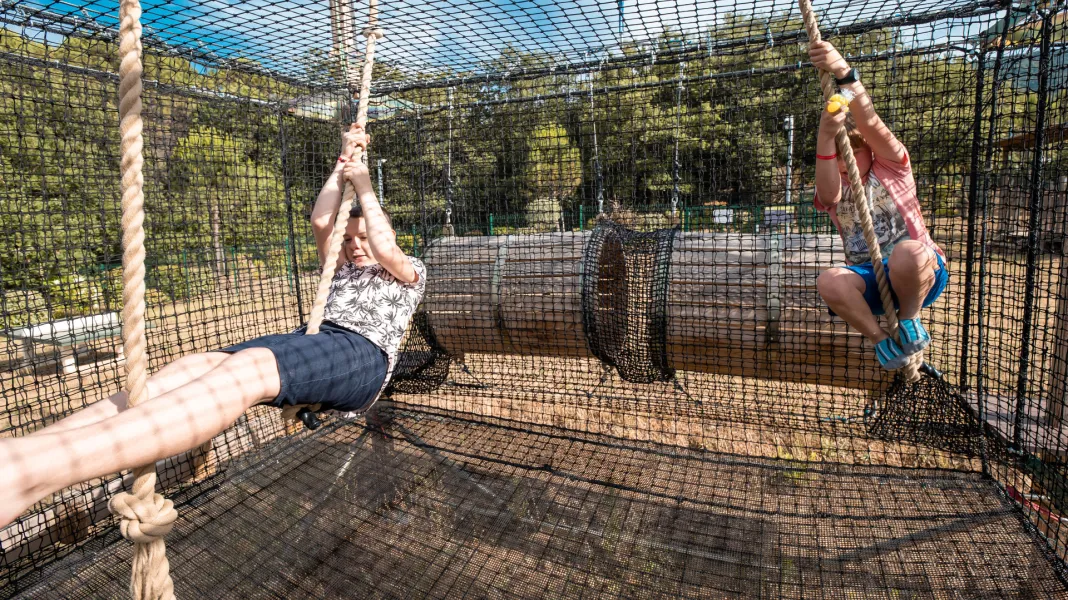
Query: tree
[{"x": 553, "y": 174}]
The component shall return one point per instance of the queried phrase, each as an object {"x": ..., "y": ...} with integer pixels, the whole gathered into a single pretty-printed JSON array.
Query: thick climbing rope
[
  {"x": 372, "y": 33},
  {"x": 146, "y": 516},
  {"x": 856, "y": 185}
]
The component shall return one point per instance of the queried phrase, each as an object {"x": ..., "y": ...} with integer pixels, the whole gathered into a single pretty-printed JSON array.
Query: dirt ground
[{"x": 450, "y": 508}]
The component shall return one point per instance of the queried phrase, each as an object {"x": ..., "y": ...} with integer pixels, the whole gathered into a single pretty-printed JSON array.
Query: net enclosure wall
[{"x": 622, "y": 381}]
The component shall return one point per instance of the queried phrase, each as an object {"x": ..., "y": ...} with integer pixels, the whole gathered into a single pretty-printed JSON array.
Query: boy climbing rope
[
  {"x": 343, "y": 368},
  {"x": 915, "y": 265}
]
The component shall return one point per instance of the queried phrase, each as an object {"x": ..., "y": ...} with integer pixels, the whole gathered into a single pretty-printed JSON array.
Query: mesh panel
[
  {"x": 622, "y": 381},
  {"x": 928, "y": 412},
  {"x": 423, "y": 365},
  {"x": 624, "y": 300}
]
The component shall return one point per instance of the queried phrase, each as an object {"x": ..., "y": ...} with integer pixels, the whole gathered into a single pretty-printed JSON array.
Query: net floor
[{"x": 445, "y": 507}]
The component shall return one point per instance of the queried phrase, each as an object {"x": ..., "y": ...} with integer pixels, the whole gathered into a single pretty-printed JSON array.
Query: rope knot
[
  {"x": 374, "y": 31},
  {"x": 144, "y": 520}
]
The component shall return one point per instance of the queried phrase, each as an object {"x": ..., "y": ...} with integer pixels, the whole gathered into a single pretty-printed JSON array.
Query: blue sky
[{"x": 465, "y": 33}]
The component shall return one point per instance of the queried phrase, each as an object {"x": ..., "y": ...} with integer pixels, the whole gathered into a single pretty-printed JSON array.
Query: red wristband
[
  {"x": 824, "y": 157},
  {"x": 342, "y": 159}
]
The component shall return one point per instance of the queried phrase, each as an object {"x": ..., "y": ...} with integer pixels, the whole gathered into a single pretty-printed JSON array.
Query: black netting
[
  {"x": 623, "y": 381},
  {"x": 929, "y": 412},
  {"x": 624, "y": 300},
  {"x": 422, "y": 365},
  {"x": 409, "y": 513}
]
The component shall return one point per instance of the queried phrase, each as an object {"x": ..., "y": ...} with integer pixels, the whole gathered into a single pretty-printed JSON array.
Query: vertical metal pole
[
  {"x": 185, "y": 273},
  {"x": 893, "y": 65},
  {"x": 789, "y": 123},
  {"x": 1035, "y": 208},
  {"x": 381, "y": 187},
  {"x": 292, "y": 248},
  {"x": 422, "y": 169},
  {"x": 973, "y": 204},
  {"x": 678, "y": 134},
  {"x": 289, "y": 269},
  {"x": 598, "y": 179},
  {"x": 984, "y": 199},
  {"x": 491, "y": 224},
  {"x": 447, "y": 228}
]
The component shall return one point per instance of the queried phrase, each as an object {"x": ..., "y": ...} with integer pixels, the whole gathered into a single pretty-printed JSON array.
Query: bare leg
[
  {"x": 843, "y": 291},
  {"x": 170, "y": 377},
  {"x": 913, "y": 267},
  {"x": 35, "y": 466}
]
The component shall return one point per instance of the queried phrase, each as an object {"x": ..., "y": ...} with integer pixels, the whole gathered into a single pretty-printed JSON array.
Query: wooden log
[
  {"x": 755, "y": 296},
  {"x": 507, "y": 294},
  {"x": 738, "y": 304},
  {"x": 458, "y": 299},
  {"x": 540, "y": 295}
]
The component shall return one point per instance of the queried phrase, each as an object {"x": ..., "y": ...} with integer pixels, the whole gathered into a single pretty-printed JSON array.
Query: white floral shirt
[{"x": 373, "y": 303}]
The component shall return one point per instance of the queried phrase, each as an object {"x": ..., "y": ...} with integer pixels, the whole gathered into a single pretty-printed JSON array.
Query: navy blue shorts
[
  {"x": 871, "y": 284},
  {"x": 337, "y": 368}
]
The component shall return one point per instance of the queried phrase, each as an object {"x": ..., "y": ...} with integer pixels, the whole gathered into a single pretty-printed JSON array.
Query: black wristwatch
[{"x": 851, "y": 77}]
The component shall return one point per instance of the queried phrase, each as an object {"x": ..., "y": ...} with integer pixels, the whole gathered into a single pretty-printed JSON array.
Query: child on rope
[
  {"x": 344, "y": 367},
  {"x": 915, "y": 265}
]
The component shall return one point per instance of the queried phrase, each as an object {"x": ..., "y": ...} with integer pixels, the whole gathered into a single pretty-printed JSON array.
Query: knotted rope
[
  {"x": 146, "y": 516},
  {"x": 860, "y": 198},
  {"x": 373, "y": 34}
]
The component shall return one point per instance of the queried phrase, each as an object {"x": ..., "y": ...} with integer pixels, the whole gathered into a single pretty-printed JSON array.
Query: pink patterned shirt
[{"x": 895, "y": 211}]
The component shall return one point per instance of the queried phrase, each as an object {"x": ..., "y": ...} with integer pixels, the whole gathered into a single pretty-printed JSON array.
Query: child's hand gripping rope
[{"x": 840, "y": 101}]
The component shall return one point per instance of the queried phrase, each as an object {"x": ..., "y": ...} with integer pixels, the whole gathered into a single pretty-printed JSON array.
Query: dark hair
[{"x": 357, "y": 212}]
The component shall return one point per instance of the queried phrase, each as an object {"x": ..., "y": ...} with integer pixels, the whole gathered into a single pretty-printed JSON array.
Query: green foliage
[
  {"x": 216, "y": 177},
  {"x": 264, "y": 262},
  {"x": 543, "y": 214},
  {"x": 308, "y": 258},
  {"x": 212, "y": 170},
  {"x": 406, "y": 241},
  {"x": 553, "y": 169},
  {"x": 55, "y": 145},
  {"x": 175, "y": 281},
  {"x": 19, "y": 308},
  {"x": 74, "y": 295},
  {"x": 217, "y": 173}
]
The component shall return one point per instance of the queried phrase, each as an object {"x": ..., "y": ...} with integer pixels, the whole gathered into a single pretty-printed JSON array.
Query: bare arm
[
  {"x": 882, "y": 141},
  {"x": 380, "y": 235},
  {"x": 324, "y": 213},
  {"x": 828, "y": 179}
]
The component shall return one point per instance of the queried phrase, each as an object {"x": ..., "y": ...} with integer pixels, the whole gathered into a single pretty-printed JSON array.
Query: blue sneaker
[
  {"x": 914, "y": 338},
  {"x": 890, "y": 355}
]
